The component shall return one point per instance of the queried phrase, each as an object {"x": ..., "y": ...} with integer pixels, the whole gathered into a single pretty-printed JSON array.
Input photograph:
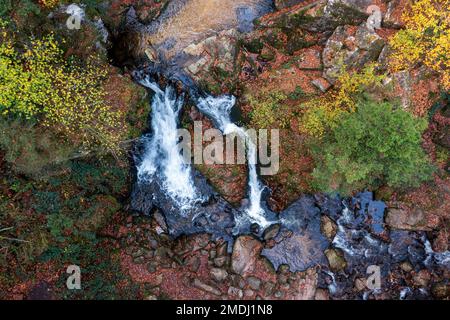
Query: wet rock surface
[
  {"x": 190, "y": 35},
  {"x": 300, "y": 243},
  {"x": 214, "y": 215},
  {"x": 320, "y": 247},
  {"x": 343, "y": 237}
]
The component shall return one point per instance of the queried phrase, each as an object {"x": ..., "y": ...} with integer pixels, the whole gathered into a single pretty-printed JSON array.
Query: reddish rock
[
  {"x": 414, "y": 219},
  {"x": 307, "y": 285},
  {"x": 246, "y": 251},
  {"x": 322, "y": 294},
  {"x": 422, "y": 278},
  {"x": 322, "y": 84}
]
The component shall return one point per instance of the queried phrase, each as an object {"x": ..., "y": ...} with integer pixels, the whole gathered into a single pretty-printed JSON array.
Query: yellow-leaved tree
[
  {"x": 323, "y": 112},
  {"x": 49, "y": 3},
  {"x": 425, "y": 38},
  {"x": 38, "y": 84}
]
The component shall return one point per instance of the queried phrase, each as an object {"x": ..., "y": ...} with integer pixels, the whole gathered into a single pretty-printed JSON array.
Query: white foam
[
  {"x": 162, "y": 156},
  {"x": 219, "y": 108}
]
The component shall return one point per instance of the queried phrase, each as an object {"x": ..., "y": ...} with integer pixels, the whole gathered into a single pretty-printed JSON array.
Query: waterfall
[
  {"x": 218, "y": 109},
  {"x": 162, "y": 156}
]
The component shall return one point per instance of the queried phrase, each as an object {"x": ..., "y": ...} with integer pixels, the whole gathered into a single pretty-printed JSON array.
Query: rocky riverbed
[
  {"x": 320, "y": 246},
  {"x": 381, "y": 244}
]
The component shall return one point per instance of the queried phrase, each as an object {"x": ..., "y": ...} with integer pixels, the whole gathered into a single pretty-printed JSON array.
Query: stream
[{"x": 190, "y": 205}]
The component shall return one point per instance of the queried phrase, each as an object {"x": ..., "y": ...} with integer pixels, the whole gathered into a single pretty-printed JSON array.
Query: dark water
[{"x": 361, "y": 236}]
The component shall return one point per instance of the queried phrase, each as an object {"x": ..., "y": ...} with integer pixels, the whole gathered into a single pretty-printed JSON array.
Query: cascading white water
[
  {"x": 219, "y": 108},
  {"x": 162, "y": 156}
]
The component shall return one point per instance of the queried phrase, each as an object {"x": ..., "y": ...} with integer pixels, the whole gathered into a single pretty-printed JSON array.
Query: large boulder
[
  {"x": 299, "y": 244},
  {"x": 307, "y": 285},
  {"x": 336, "y": 259},
  {"x": 246, "y": 251},
  {"x": 352, "y": 47},
  {"x": 410, "y": 219},
  {"x": 218, "y": 51},
  {"x": 394, "y": 12}
]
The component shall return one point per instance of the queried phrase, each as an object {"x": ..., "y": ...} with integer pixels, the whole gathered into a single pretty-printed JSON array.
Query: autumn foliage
[
  {"x": 38, "y": 84},
  {"x": 425, "y": 38},
  {"x": 322, "y": 113}
]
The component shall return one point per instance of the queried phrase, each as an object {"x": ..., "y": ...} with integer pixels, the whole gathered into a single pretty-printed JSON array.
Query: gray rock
[
  {"x": 361, "y": 5},
  {"x": 238, "y": 281},
  {"x": 246, "y": 251},
  {"x": 139, "y": 260},
  {"x": 194, "y": 264},
  {"x": 278, "y": 294},
  {"x": 219, "y": 274},
  {"x": 321, "y": 84},
  {"x": 206, "y": 287},
  {"x": 249, "y": 293},
  {"x": 151, "y": 267},
  {"x": 283, "y": 278},
  {"x": 268, "y": 288},
  {"x": 254, "y": 283},
  {"x": 235, "y": 292},
  {"x": 345, "y": 49},
  {"x": 271, "y": 231},
  {"x": 282, "y": 4},
  {"x": 220, "y": 261},
  {"x": 160, "y": 220},
  {"x": 137, "y": 253},
  {"x": 374, "y": 20}
]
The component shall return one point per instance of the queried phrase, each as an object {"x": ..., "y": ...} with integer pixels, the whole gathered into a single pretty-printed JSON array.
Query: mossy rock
[{"x": 336, "y": 259}]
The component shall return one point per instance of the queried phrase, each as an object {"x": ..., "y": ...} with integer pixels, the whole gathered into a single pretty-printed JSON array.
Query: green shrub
[
  {"x": 57, "y": 224},
  {"x": 100, "y": 178},
  {"x": 5, "y": 7},
  {"x": 374, "y": 146},
  {"x": 47, "y": 202}
]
